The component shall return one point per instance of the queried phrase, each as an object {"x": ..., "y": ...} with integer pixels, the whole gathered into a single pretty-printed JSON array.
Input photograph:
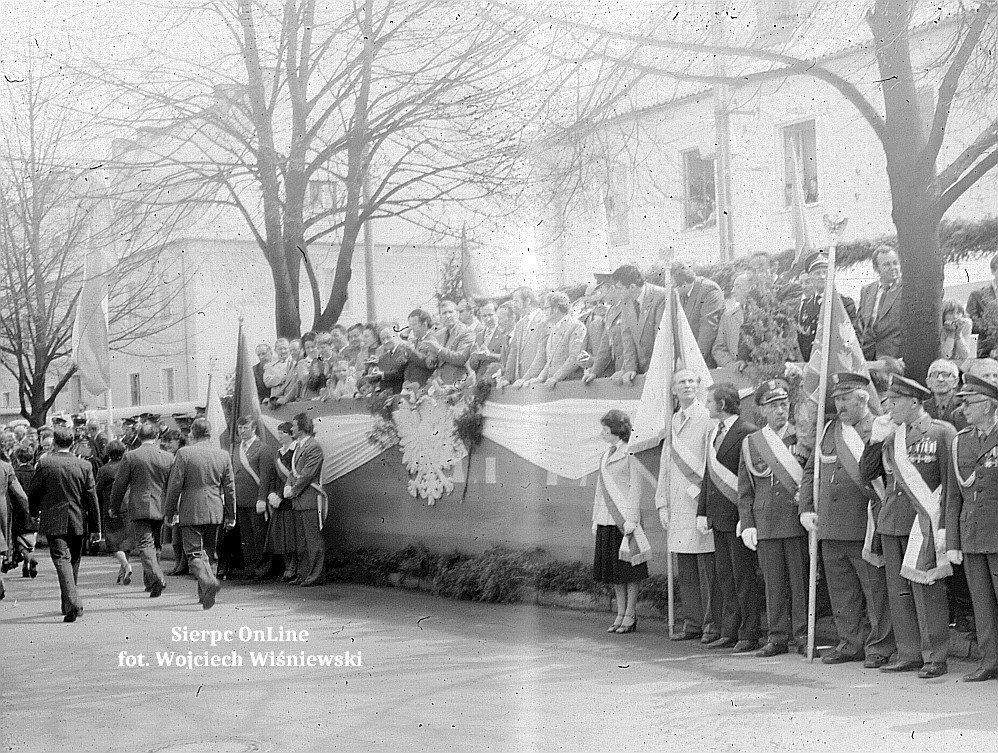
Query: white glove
[
  {"x": 274, "y": 499},
  {"x": 663, "y": 517},
  {"x": 287, "y": 492},
  {"x": 738, "y": 528},
  {"x": 629, "y": 527},
  {"x": 809, "y": 520},
  {"x": 702, "y": 525},
  {"x": 941, "y": 539},
  {"x": 750, "y": 538},
  {"x": 955, "y": 556},
  {"x": 261, "y": 507},
  {"x": 883, "y": 427}
]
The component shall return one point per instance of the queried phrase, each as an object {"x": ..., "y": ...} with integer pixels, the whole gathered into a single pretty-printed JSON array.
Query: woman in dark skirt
[
  {"x": 283, "y": 536},
  {"x": 118, "y": 530},
  {"x": 622, "y": 550}
]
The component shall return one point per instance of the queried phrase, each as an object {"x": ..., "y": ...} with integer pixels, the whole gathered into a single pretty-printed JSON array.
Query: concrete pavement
[{"x": 433, "y": 674}]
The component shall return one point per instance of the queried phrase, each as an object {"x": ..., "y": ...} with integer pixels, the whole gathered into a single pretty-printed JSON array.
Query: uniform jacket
[
  {"x": 722, "y": 515},
  {"x": 807, "y": 320},
  {"x": 259, "y": 456},
  {"x": 13, "y": 503},
  {"x": 616, "y": 350},
  {"x": 763, "y": 502},
  {"x": 703, "y": 308},
  {"x": 644, "y": 330},
  {"x": 972, "y": 510},
  {"x": 456, "y": 344},
  {"x": 978, "y": 303},
  {"x": 143, "y": 474},
  {"x": 947, "y": 413},
  {"x": 306, "y": 470},
  {"x": 882, "y": 337},
  {"x": 842, "y": 502},
  {"x": 65, "y": 491},
  {"x": 200, "y": 488},
  {"x": 529, "y": 338},
  {"x": 929, "y": 444},
  {"x": 558, "y": 357},
  {"x": 690, "y": 428}
]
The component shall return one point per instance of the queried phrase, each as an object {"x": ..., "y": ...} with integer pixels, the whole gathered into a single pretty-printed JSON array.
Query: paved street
[{"x": 434, "y": 675}]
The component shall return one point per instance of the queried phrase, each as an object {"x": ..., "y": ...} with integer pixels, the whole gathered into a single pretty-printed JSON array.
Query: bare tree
[
  {"x": 680, "y": 43},
  {"x": 319, "y": 118},
  {"x": 53, "y": 208}
]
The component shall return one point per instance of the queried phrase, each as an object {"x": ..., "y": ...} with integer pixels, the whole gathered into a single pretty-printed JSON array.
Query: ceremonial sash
[
  {"x": 725, "y": 481},
  {"x": 923, "y": 561},
  {"x": 322, "y": 499},
  {"x": 244, "y": 459},
  {"x": 634, "y": 547},
  {"x": 849, "y": 448},
  {"x": 686, "y": 463},
  {"x": 780, "y": 462}
]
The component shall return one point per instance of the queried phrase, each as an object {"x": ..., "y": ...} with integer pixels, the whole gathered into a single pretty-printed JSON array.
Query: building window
[
  {"x": 618, "y": 216},
  {"x": 167, "y": 385},
  {"x": 800, "y": 162},
  {"x": 165, "y": 303},
  {"x": 135, "y": 388},
  {"x": 700, "y": 197},
  {"x": 6, "y": 400}
]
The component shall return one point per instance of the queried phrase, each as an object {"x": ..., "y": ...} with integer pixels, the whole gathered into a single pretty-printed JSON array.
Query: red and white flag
[{"x": 90, "y": 343}]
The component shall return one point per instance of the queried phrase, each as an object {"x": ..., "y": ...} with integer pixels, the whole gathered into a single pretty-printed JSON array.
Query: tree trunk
[{"x": 341, "y": 281}]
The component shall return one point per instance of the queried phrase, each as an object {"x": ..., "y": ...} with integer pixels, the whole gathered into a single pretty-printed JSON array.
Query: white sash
[
  {"x": 724, "y": 480},
  {"x": 854, "y": 443},
  {"x": 914, "y": 485},
  {"x": 246, "y": 464},
  {"x": 634, "y": 548},
  {"x": 783, "y": 454}
]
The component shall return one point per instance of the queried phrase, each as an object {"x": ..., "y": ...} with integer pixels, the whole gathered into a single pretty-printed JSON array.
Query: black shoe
[
  {"x": 743, "y": 647},
  {"x": 208, "y": 600},
  {"x": 684, "y": 636},
  {"x": 722, "y": 643},
  {"x": 771, "y": 649},
  {"x": 71, "y": 615},
  {"x": 311, "y": 583},
  {"x": 156, "y": 589},
  {"x": 902, "y": 665},
  {"x": 933, "y": 669},
  {"x": 980, "y": 675},
  {"x": 709, "y": 638},
  {"x": 873, "y": 661},
  {"x": 180, "y": 571},
  {"x": 837, "y": 656}
]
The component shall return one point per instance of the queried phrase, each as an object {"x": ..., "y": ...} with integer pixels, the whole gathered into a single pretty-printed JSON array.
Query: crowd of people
[{"x": 255, "y": 513}]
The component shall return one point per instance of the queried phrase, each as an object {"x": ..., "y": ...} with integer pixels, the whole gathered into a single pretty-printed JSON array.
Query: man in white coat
[{"x": 677, "y": 510}]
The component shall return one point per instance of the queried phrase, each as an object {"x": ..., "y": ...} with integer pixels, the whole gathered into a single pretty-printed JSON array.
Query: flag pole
[
  {"x": 665, "y": 475},
  {"x": 834, "y": 228}
]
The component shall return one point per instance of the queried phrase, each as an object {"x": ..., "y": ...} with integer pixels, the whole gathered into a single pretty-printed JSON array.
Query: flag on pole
[
  {"x": 215, "y": 414},
  {"x": 798, "y": 222},
  {"x": 245, "y": 401},
  {"x": 844, "y": 351},
  {"x": 471, "y": 282},
  {"x": 90, "y": 344},
  {"x": 675, "y": 348}
]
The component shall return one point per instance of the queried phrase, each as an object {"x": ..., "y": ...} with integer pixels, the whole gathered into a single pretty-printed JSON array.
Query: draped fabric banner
[
  {"x": 561, "y": 436},
  {"x": 343, "y": 438}
]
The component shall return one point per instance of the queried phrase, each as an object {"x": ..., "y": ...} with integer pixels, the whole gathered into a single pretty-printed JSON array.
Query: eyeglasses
[{"x": 942, "y": 374}]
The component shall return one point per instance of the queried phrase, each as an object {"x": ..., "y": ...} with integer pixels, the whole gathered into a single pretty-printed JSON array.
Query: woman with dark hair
[
  {"x": 954, "y": 338},
  {"x": 282, "y": 536},
  {"x": 118, "y": 530},
  {"x": 367, "y": 356},
  {"x": 622, "y": 550}
]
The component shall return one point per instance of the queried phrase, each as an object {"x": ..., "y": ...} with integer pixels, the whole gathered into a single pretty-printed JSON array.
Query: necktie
[
  {"x": 637, "y": 309},
  {"x": 881, "y": 291},
  {"x": 721, "y": 429}
]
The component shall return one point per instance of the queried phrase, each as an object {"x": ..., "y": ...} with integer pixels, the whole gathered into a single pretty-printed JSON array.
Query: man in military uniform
[
  {"x": 844, "y": 521},
  {"x": 913, "y": 451},
  {"x": 769, "y": 476},
  {"x": 972, "y": 515}
]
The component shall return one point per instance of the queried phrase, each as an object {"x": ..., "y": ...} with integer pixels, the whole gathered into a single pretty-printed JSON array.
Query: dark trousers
[
  {"x": 920, "y": 613},
  {"x": 851, "y": 580},
  {"x": 735, "y": 566},
  {"x": 958, "y": 593},
  {"x": 699, "y": 598},
  {"x": 66, "y": 550},
  {"x": 146, "y": 535},
  {"x": 312, "y": 560},
  {"x": 252, "y": 535},
  {"x": 199, "y": 546},
  {"x": 784, "y": 565},
  {"x": 982, "y": 577}
]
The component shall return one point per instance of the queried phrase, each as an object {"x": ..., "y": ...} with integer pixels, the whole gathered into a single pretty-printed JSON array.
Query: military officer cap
[
  {"x": 844, "y": 382},
  {"x": 128, "y": 422},
  {"x": 770, "y": 391},
  {"x": 79, "y": 421},
  {"x": 59, "y": 421},
  {"x": 973, "y": 385},
  {"x": 817, "y": 259},
  {"x": 904, "y": 387}
]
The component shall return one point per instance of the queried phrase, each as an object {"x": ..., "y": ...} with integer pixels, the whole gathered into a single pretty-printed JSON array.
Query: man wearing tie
[
  {"x": 677, "y": 510},
  {"x": 880, "y": 308},
  {"x": 251, "y": 461},
  {"x": 308, "y": 501},
  {"x": 717, "y": 510},
  {"x": 642, "y": 305},
  {"x": 971, "y": 522},
  {"x": 452, "y": 345}
]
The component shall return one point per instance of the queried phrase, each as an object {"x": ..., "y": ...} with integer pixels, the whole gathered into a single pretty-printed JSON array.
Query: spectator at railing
[
  {"x": 954, "y": 338},
  {"x": 703, "y": 303},
  {"x": 643, "y": 305},
  {"x": 558, "y": 361},
  {"x": 616, "y": 354},
  {"x": 529, "y": 335},
  {"x": 730, "y": 349},
  {"x": 451, "y": 345},
  {"x": 420, "y": 359}
]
